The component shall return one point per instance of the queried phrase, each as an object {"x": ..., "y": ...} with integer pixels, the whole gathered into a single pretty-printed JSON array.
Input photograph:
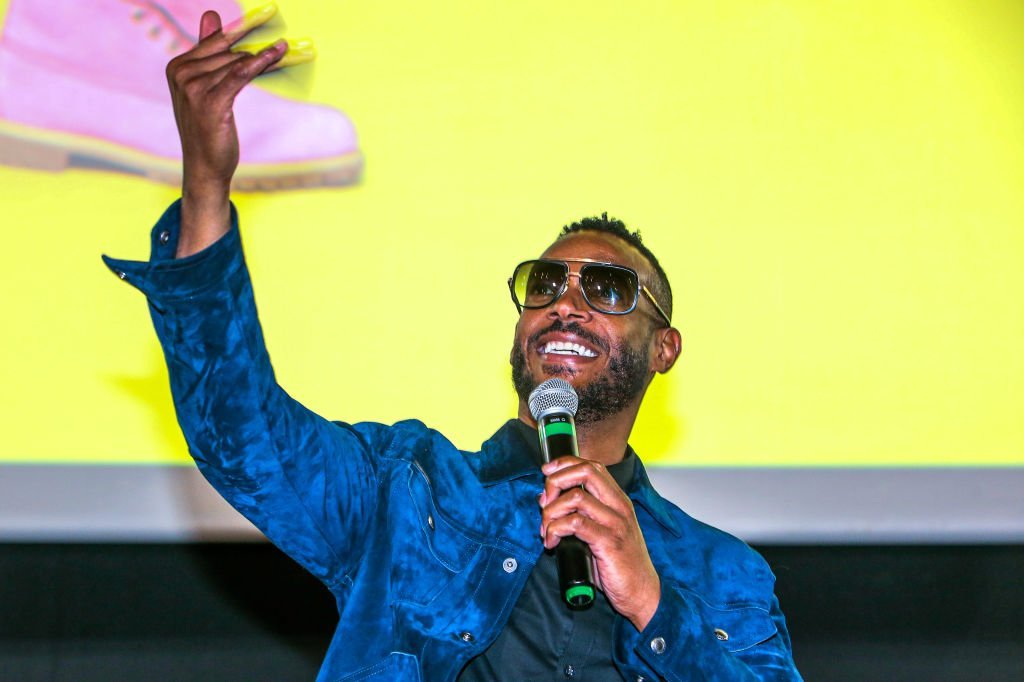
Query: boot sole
[{"x": 26, "y": 147}]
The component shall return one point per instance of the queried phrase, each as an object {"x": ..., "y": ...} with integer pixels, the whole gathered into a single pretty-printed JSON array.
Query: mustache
[{"x": 571, "y": 328}]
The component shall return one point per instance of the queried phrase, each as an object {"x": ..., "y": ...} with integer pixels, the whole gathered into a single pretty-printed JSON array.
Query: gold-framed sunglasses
[{"x": 607, "y": 288}]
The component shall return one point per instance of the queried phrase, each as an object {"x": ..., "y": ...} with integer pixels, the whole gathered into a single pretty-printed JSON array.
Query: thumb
[{"x": 209, "y": 24}]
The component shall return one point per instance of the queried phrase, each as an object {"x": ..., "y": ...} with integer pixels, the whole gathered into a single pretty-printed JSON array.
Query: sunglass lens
[
  {"x": 538, "y": 283},
  {"x": 608, "y": 288}
]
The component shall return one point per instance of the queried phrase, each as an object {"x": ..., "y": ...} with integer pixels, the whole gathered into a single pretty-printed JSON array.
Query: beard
[{"x": 609, "y": 394}]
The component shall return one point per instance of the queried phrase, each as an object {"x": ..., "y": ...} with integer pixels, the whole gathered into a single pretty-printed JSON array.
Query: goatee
[{"x": 607, "y": 395}]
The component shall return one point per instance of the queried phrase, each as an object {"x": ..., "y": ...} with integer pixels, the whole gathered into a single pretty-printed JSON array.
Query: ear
[{"x": 668, "y": 344}]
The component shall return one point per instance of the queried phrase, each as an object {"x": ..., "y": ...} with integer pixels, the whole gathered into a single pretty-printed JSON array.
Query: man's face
[{"x": 614, "y": 366}]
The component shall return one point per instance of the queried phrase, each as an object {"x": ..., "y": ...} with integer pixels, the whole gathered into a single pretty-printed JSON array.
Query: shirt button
[
  {"x": 569, "y": 671},
  {"x": 658, "y": 645},
  {"x": 466, "y": 636},
  {"x": 430, "y": 521},
  {"x": 639, "y": 678},
  {"x": 122, "y": 274},
  {"x": 164, "y": 236},
  {"x": 722, "y": 635},
  {"x": 510, "y": 565}
]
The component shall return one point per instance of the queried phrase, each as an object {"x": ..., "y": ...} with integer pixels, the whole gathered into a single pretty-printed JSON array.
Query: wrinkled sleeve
[
  {"x": 309, "y": 484},
  {"x": 678, "y": 644}
]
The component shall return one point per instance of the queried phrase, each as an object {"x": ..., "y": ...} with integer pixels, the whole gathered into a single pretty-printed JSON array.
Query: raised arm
[{"x": 309, "y": 484}]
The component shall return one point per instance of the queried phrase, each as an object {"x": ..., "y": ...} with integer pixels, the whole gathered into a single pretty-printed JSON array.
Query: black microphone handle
[{"x": 575, "y": 562}]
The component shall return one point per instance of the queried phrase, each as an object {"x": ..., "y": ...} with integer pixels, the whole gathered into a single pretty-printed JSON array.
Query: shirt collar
[{"x": 513, "y": 452}]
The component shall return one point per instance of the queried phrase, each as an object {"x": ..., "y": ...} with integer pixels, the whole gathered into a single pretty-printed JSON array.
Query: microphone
[{"x": 553, "y": 404}]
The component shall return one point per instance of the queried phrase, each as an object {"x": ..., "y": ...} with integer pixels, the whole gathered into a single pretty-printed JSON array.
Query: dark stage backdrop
[{"x": 102, "y": 612}]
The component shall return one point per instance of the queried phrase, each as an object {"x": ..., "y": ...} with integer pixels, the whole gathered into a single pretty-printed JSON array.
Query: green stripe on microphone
[
  {"x": 557, "y": 428},
  {"x": 579, "y": 595}
]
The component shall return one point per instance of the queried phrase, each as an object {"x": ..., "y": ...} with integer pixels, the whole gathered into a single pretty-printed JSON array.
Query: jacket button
[
  {"x": 122, "y": 274},
  {"x": 466, "y": 636},
  {"x": 569, "y": 671},
  {"x": 722, "y": 635},
  {"x": 639, "y": 678},
  {"x": 658, "y": 645},
  {"x": 164, "y": 236},
  {"x": 510, "y": 565}
]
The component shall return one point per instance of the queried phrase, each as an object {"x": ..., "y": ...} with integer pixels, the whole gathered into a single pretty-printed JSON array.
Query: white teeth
[{"x": 566, "y": 348}]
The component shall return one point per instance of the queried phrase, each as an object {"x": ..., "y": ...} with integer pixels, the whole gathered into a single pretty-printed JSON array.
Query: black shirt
[{"x": 543, "y": 639}]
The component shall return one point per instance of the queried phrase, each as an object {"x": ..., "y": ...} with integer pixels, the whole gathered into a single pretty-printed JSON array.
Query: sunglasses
[{"x": 607, "y": 288}]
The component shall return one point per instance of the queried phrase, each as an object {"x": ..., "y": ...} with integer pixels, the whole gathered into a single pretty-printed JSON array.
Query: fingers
[
  {"x": 233, "y": 76},
  {"x": 249, "y": 21},
  {"x": 578, "y": 500},
  {"x": 574, "y": 510},
  {"x": 208, "y": 24},
  {"x": 568, "y": 462},
  {"x": 580, "y": 494},
  {"x": 235, "y": 69},
  {"x": 601, "y": 515},
  {"x": 198, "y": 68},
  {"x": 215, "y": 39},
  {"x": 299, "y": 51},
  {"x": 589, "y": 531},
  {"x": 211, "y": 41},
  {"x": 569, "y": 472}
]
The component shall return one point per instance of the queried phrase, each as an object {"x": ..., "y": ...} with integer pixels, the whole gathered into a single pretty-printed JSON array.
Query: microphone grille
[{"x": 553, "y": 393}]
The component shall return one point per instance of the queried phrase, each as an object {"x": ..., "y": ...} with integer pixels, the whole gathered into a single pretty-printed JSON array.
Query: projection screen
[{"x": 834, "y": 188}]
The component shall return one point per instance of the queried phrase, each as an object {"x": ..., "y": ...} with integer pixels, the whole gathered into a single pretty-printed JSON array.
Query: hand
[
  {"x": 204, "y": 83},
  {"x": 602, "y": 516}
]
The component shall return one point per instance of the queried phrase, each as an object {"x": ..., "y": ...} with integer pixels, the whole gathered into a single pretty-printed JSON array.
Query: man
[{"x": 437, "y": 558}]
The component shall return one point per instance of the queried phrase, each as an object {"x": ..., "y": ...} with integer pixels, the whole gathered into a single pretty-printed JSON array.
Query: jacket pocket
[
  {"x": 741, "y": 627},
  {"x": 429, "y": 551},
  {"x": 397, "y": 666}
]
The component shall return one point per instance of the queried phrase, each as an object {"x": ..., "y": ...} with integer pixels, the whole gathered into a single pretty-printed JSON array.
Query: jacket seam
[
  {"x": 199, "y": 291},
  {"x": 728, "y": 606},
  {"x": 330, "y": 580}
]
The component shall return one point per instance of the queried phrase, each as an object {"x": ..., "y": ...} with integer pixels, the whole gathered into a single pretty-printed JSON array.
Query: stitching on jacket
[
  {"x": 463, "y": 555},
  {"x": 330, "y": 580}
]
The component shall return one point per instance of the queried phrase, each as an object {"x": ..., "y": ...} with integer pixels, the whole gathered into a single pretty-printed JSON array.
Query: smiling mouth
[{"x": 567, "y": 348}]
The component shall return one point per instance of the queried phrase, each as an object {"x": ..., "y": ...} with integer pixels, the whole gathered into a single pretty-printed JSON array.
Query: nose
[{"x": 571, "y": 305}]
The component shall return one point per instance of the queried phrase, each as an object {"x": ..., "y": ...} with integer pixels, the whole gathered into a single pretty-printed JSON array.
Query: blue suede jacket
[{"x": 425, "y": 548}]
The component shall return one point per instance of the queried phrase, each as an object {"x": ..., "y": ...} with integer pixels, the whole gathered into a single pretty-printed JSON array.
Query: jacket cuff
[
  {"x": 164, "y": 277},
  {"x": 672, "y": 641}
]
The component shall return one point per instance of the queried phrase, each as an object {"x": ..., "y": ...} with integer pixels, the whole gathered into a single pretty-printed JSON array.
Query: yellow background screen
[{"x": 834, "y": 188}]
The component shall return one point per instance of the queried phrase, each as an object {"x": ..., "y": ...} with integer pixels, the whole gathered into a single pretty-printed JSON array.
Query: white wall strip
[{"x": 787, "y": 506}]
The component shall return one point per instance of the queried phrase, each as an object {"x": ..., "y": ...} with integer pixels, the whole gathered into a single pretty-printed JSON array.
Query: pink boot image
[{"x": 82, "y": 84}]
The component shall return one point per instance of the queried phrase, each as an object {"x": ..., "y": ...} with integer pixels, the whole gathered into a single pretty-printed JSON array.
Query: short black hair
[{"x": 661, "y": 289}]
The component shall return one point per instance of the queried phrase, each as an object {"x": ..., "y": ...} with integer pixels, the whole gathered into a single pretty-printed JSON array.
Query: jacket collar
[
  {"x": 644, "y": 494},
  {"x": 508, "y": 455},
  {"x": 505, "y": 456}
]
